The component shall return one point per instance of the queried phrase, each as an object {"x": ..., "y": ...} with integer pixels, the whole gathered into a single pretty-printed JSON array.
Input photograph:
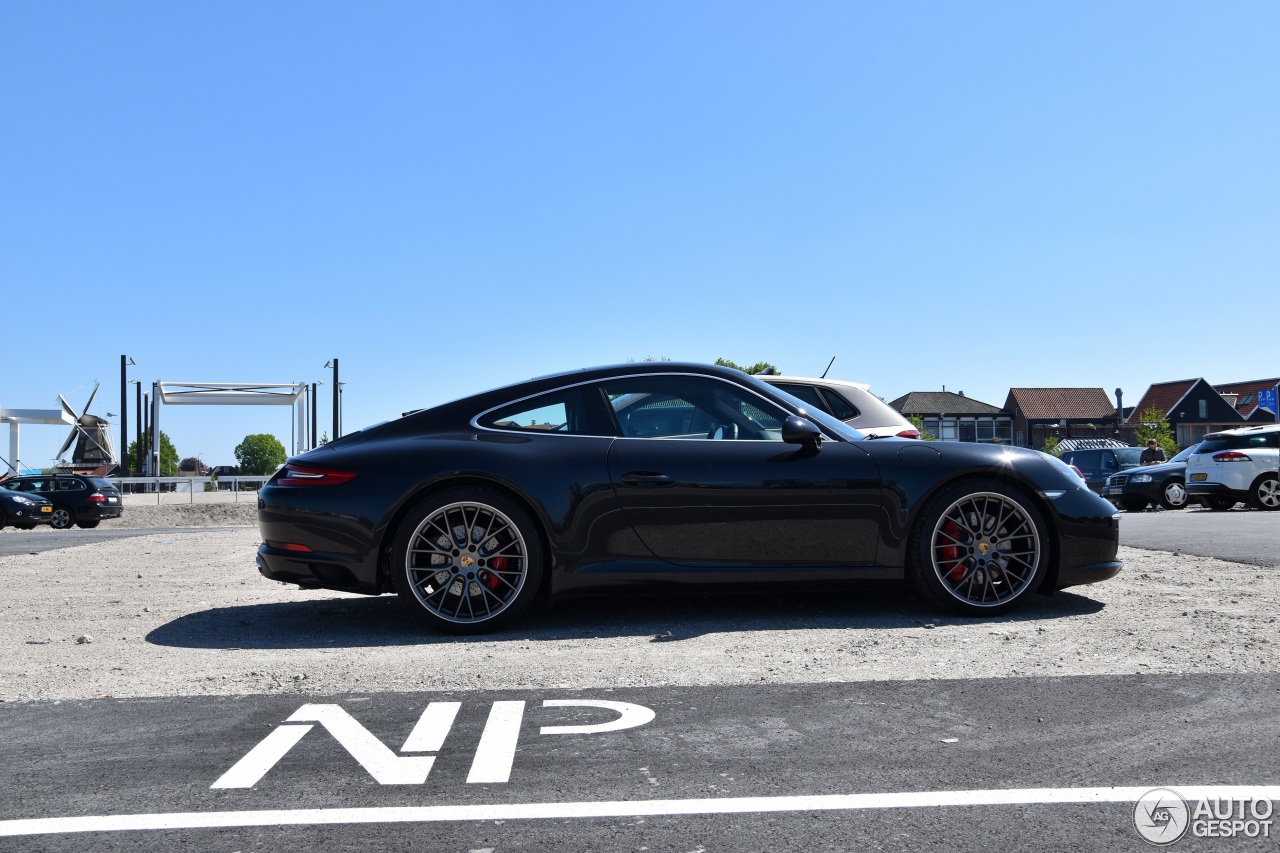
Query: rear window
[
  {"x": 1129, "y": 456},
  {"x": 102, "y": 483},
  {"x": 1238, "y": 442}
]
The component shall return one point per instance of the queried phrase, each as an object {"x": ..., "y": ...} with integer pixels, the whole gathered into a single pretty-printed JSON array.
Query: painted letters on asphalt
[{"x": 494, "y": 757}]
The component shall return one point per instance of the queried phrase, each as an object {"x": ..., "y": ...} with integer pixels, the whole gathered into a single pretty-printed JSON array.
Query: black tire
[
  {"x": 1264, "y": 494},
  {"x": 25, "y": 526},
  {"x": 62, "y": 518},
  {"x": 979, "y": 548},
  {"x": 444, "y": 560},
  {"x": 1173, "y": 494},
  {"x": 1134, "y": 504},
  {"x": 3, "y": 520},
  {"x": 1220, "y": 504},
  {"x": 88, "y": 525}
]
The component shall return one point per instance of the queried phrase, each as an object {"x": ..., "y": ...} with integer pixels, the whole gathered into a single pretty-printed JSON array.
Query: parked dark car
[
  {"x": 23, "y": 511},
  {"x": 684, "y": 477},
  {"x": 1099, "y": 463},
  {"x": 77, "y": 499},
  {"x": 1164, "y": 484}
]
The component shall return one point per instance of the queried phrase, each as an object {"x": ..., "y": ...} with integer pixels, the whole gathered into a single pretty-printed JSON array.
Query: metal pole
[
  {"x": 313, "y": 407},
  {"x": 337, "y": 404},
  {"x": 155, "y": 432},
  {"x": 137, "y": 445},
  {"x": 124, "y": 412}
]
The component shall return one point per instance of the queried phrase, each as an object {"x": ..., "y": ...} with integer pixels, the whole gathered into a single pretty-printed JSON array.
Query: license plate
[
  {"x": 46, "y": 509},
  {"x": 1114, "y": 490},
  {"x": 1200, "y": 477},
  {"x": 112, "y": 500}
]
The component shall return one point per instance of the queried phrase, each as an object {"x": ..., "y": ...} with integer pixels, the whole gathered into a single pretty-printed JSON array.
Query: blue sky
[{"x": 453, "y": 196}]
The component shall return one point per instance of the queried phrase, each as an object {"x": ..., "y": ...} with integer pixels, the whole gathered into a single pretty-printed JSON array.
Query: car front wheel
[
  {"x": 467, "y": 560},
  {"x": 1265, "y": 494},
  {"x": 62, "y": 517},
  {"x": 980, "y": 548},
  {"x": 1133, "y": 505},
  {"x": 1173, "y": 495}
]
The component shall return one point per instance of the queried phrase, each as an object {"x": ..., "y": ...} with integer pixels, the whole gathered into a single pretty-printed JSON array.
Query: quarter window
[{"x": 568, "y": 411}]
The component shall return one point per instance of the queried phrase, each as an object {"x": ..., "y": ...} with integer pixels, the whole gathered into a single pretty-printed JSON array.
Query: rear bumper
[
  {"x": 1079, "y": 575},
  {"x": 1216, "y": 490},
  {"x": 311, "y": 569}
]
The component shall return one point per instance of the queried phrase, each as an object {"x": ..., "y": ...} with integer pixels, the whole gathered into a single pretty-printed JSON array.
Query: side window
[
  {"x": 807, "y": 393},
  {"x": 1085, "y": 460},
  {"x": 569, "y": 411},
  {"x": 840, "y": 407},
  {"x": 691, "y": 407},
  {"x": 70, "y": 486},
  {"x": 1109, "y": 462}
]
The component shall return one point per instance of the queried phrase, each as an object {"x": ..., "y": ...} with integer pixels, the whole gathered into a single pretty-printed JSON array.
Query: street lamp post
[
  {"x": 337, "y": 401},
  {"x": 125, "y": 361}
]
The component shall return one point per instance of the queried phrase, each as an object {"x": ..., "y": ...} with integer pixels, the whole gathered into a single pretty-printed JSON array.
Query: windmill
[{"x": 91, "y": 435}]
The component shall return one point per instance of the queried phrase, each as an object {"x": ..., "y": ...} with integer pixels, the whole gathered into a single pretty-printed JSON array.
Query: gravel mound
[{"x": 187, "y": 515}]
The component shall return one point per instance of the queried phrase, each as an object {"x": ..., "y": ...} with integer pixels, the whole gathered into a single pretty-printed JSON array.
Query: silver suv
[{"x": 1236, "y": 465}]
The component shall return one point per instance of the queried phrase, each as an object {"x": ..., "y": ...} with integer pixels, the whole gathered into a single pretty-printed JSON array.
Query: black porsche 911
[{"x": 655, "y": 476}]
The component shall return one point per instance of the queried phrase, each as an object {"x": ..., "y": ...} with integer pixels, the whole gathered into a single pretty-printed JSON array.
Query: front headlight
[
  {"x": 1141, "y": 478},
  {"x": 24, "y": 501}
]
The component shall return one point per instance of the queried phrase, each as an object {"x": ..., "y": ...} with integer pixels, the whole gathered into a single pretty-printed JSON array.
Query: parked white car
[
  {"x": 851, "y": 402},
  {"x": 1236, "y": 465}
]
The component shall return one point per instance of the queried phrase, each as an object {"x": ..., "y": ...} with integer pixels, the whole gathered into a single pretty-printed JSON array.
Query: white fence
[{"x": 168, "y": 490}]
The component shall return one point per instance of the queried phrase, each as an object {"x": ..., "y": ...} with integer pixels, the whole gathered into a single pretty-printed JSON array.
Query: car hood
[{"x": 1162, "y": 468}]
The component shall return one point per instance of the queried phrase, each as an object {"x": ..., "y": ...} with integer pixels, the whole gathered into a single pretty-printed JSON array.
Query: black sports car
[{"x": 645, "y": 476}]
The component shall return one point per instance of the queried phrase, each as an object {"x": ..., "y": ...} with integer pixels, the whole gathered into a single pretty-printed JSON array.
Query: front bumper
[{"x": 23, "y": 514}]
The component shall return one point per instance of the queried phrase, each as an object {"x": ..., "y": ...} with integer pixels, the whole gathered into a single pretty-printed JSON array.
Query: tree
[
  {"x": 192, "y": 464},
  {"x": 260, "y": 454},
  {"x": 1051, "y": 446},
  {"x": 1152, "y": 423},
  {"x": 758, "y": 367},
  {"x": 918, "y": 423},
  {"x": 168, "y": 453}
]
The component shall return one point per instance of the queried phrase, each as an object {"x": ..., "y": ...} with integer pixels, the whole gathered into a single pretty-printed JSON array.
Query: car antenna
[{"x": 829, "y": 363}]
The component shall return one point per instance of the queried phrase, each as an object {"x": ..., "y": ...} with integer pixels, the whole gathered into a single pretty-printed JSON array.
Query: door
[{"x": 705, "y": 479}]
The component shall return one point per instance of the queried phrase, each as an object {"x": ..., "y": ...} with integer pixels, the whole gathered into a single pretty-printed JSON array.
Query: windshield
[{"x": 1182, "y": 457}]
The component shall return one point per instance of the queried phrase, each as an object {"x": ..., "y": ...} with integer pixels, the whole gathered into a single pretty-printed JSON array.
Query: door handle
[{"x": 646, "y": 478}]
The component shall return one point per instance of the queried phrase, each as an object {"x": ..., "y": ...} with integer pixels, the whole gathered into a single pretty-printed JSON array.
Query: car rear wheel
[
  {"x": 1219, "y": 504},
  {"x": 466, "y": 561},
  {"x": 1265, "y": 494},
  {"x": 62, "y": 517},
  {"x": 1173, "y": 495},
  {"x": 980, "y": 548},
  {"x": 1133, "y": 504}
]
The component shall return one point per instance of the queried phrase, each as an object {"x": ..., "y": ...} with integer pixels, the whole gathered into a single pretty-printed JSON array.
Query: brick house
[
  {"x": 1039, "y": 413},
  {"x": 1195, "y": 408}
]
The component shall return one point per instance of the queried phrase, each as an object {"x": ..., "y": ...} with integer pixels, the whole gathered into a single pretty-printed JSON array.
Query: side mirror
[{"x": 798, "y": 430}]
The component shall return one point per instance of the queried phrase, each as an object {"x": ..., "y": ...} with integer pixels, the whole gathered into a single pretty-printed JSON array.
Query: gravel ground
[{"x": 188, "y": 614}]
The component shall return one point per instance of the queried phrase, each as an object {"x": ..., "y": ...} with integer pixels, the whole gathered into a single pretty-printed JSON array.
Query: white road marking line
[{"x": 622, "y": 808}]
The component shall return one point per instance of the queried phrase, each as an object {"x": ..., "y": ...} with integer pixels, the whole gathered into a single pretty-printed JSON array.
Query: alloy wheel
[
  {"x": 466, "y": 562},
  {"x": 985, "y": 549}
]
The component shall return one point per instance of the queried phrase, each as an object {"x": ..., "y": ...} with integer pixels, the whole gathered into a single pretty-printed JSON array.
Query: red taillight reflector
[
  {"x": 288, "y": 546},
  {"x": 909, "y": 433},
  {"x": 1231, "y": 456},
  {"x": 303, "y": 475},
  {"x": 96, "y": 498}
]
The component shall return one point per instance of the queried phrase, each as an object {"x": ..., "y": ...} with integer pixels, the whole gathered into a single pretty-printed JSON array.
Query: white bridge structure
[
  {"x": 296, "y": 394},
  {"x": 15, "y": 418}
]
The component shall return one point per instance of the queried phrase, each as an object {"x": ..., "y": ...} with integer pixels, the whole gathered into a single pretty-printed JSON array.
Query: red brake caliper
[
  {"x": 952, "y": 553},
  {"x": 498, "y": 564}
]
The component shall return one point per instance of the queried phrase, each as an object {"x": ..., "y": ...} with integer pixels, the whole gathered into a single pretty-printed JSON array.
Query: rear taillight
[
  {"x": 303, "y": 475},
  {"x": 97, "y": 498},
  {"x": 1231, "y": 456},
  {"x": 909, "y": 433}
]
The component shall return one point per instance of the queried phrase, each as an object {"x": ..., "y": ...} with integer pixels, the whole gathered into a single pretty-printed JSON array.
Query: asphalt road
[
  {"x": 14, "y": 541},
  {"x": 732, "y": 768},
  {"x": 1239, "y": 535}
]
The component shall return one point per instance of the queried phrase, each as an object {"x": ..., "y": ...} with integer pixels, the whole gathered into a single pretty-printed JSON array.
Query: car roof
[
  {"x": 811, "y": 380},
  {"x": 1249, "y": 430}
]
